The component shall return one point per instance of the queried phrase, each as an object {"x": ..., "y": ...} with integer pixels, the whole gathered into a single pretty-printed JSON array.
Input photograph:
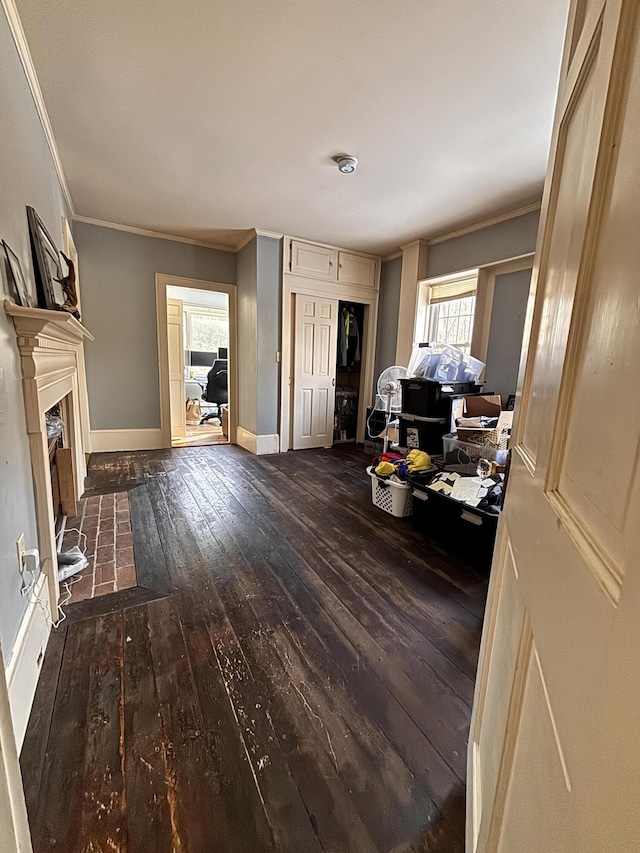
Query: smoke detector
[{"x": 346, "y": 164}]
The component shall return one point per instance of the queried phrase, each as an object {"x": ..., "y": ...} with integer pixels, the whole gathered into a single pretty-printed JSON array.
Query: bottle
[{"x": 484, "y": 468}]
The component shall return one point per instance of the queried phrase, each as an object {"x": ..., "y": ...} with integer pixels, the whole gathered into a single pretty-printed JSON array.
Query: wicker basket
[{"x": 486, "y": 437}]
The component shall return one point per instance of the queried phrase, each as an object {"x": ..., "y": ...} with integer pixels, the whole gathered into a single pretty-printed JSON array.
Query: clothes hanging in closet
[{"x": 348, "y": 337}]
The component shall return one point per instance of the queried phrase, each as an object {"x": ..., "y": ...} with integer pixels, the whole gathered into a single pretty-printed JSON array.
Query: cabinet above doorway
[{"x": 332, "y": 264}]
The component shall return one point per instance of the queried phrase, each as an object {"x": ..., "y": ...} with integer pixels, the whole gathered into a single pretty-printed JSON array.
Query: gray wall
[
  {"x": 117, "y": 286},
  {"x": 259, "y": 279},
  {"x": 247, "y": 282},
  {"x": 508, "y": 313},
  {"x": 269, "y": 278},
  {"x": 388, "y": 307},
  {"x": 495, "y": 243},
  {"x": 27, "y": 176}
]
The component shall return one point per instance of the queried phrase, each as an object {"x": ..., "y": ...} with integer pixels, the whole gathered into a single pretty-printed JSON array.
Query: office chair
[{"x": 216, "y": 391}]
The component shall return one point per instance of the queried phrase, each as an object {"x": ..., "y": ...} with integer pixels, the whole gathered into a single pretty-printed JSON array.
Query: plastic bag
[{"x": 55, "y": 426}]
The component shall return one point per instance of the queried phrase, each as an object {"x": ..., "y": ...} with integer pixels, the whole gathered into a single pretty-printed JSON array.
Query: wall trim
[
  {"x": 392, "y": 256},
  {"x": 23, "y": 668},
  {"x": 485, "y": 223},
  {"x": 276, "y": 235},
  {"x": 110, "y": 440},
  {"x": 246, "y": 439},
  {"x": 159, "y": 235},
  {"x": 20, "y": 39},
  {"x": 246, "y": 239},
  {"x": 257, "y": 444}
]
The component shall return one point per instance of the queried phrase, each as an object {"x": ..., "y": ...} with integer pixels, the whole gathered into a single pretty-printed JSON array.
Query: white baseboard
[
  {"x": 23, "y": 668},
  {"x": 258, "y": 444},
  {"x": 107, "y": 440}
]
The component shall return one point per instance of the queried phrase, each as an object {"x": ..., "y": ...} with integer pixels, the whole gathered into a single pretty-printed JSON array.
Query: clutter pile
[
  {"x": 444, "y": 363},
  {"x": 483, "y": 431},
  {"x": 392, "y": 475},
  {"x": 484, "y": 493},
  {"x": 403, "y": 467}
]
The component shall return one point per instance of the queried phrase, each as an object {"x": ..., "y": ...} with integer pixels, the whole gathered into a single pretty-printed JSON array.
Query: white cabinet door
[
  {"x": 175, "y": 339},
  {"x": 355, "y": 269},
  {"x": 314, "y": 371},
  {"x": 554, "y": 749},
  {"x": 316, "y": 261}
]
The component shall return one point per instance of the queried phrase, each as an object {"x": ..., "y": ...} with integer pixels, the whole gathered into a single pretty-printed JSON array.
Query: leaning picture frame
[
  {"x": 48, "y": 270},
  {"x": 23, "y": 297}
]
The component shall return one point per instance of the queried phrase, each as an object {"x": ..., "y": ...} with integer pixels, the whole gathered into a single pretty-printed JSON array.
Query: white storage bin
[{"x": 394, "y": 498}]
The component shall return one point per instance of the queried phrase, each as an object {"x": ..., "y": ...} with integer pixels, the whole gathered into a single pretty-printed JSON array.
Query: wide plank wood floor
[{"x": 294, "y": 673}]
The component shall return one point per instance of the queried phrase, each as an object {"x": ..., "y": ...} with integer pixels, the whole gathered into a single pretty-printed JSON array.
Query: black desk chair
[{"x": 216, "y": 391}]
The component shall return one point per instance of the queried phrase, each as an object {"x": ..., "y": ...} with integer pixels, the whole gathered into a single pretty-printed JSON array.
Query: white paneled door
[
  {"x": 554, "y": 751},
  {"x": 314, "y": 375},
  {"x": 175, "y": 340}
]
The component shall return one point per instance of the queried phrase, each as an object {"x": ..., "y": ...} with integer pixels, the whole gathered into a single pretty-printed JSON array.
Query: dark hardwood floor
[{"x": 294, "y": 673}]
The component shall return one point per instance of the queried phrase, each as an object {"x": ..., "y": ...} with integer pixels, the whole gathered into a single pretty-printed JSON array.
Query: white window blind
[{"x": 452, "y": 290}]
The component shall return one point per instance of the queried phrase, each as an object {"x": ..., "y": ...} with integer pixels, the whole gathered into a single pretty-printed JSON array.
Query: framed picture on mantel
[
  {"x": 23, "y": 297},
  {"x": 46, "y": 262}
]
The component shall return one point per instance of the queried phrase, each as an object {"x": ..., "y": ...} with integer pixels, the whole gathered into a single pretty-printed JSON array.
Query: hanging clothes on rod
[{"x": 348, "y": 337}]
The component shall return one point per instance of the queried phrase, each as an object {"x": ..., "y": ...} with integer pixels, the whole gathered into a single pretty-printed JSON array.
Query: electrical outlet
[{"x": 20, "y": 549}]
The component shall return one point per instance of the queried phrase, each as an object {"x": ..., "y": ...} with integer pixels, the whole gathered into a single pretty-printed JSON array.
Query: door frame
[
  {"x": 162, "y": 282},
  {"x": 14, "y": 821},
  {"x": 367, "y": 296}
]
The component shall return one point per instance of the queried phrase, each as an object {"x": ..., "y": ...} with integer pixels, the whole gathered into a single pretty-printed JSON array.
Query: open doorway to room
[{"x": 196, "y": 345}]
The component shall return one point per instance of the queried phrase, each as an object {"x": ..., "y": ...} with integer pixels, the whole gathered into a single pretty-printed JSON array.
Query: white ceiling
[{"x": 208, "y": 117}]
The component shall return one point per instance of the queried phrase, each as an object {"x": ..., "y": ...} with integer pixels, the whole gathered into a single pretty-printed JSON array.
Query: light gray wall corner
[
  {"x": 117, "y": 283},
  {"x": 269, "y": 290},
  {"x": 510, "y": 297},
  {"x": 388, "y": 307},
  {"x": 247, "y": 283},
  {"x": 488, "y": 245},
  {"x": 27, "y": 177}
]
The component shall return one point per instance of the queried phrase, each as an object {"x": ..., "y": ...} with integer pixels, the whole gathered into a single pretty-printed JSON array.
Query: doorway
[
  {"x": 197, "y": 361},
  {"x": 329, "y": 343},
  {"x": 298, "y": 298}
]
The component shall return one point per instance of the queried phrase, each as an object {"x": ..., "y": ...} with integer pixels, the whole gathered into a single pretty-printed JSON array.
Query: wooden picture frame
[
  {"x": 47, "y": 266},
  {"x": 23, "y": 296}
]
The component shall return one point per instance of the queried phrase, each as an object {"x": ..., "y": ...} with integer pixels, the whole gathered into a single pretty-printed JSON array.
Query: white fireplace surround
[{"x": 53, "y": 371}]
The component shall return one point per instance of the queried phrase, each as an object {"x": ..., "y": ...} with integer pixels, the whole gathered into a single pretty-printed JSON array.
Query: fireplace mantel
[
  {"x": 51, "y": 345},
  {"x": 49, "y": 329}
]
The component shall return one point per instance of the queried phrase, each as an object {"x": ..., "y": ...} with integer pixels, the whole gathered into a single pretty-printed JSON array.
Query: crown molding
[
  {"x": 392, "y": 256},
  {"x": 420, "y": 241},
  {"x": 143, "y": 232},
  {"x": 275, "y": 235},
  {"x": 20, "y": 40},
  {"x": 256, "y": 232},
  {"x": 486, "y": 223},
  {"x": 246, "y": 239}
]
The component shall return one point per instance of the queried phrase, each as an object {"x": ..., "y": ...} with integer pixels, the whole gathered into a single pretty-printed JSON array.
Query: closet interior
[{"x": 348, "y": 360}]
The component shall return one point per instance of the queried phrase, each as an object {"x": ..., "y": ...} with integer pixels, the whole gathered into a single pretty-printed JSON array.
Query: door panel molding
[
  {"x": 516, "y": 703},
  {"x": 294, "y": 286},
  {"x": 314, "y": 374},
  {"x": 567, "y": 758}
]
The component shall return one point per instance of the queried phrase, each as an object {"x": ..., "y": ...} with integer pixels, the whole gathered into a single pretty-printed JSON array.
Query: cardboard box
[{"x": 489, "y": 405}]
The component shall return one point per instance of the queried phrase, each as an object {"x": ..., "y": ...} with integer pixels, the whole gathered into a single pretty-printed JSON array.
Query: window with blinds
[{"x": 451, "y": 313}]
